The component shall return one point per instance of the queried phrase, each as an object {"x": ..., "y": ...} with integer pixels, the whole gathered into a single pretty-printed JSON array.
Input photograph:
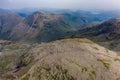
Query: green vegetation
[
  {"x": 52, "y": 73},
  {"x": 84, "y": 69},
  {"x": 26, "y": 77},
  {"x": 116, "y": 59},
  {"x": 84, "y": 40},
  {"x": 25, "y": 60},
  {"x": 95, "y": 48},
  {"x": 118, "y": 78},
  {"x": 4, "y": 62},
  {"x": 10, "y": 55},
  {"x": 94, "y": 73},
  {"x": 105, "y": 63},
  {"x": 10, "y": 77}
]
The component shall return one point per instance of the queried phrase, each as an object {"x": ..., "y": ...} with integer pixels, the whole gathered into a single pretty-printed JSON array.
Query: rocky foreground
[{"x": 68, "y": 59}]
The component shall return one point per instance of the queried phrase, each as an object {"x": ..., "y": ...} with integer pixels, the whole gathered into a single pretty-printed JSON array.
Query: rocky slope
[
  {"x": 44, "y": 27},
  {"x": 7, "y": 23},
  {"x": 41, "y": 26},
  {"x": 69, "y": 59},
  {"x": 107, "y": 30},
  {"x": 107, "y": 33}
]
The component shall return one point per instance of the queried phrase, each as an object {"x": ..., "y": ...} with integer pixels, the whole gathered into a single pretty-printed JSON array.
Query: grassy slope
[{"x": 69, "y": 59}]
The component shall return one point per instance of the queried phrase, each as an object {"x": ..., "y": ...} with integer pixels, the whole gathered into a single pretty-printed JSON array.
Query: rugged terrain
[
  {"x": 43, "y": 27},
  {"x": 69, "y": 59},
  {"x": 106, "y": 34},
  {"x": 33, "y": 49},
  {"x": 46, "y": 26},
  {"x": 7, "y": 23}
]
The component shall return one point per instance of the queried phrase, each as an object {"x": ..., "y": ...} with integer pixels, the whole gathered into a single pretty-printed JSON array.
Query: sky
[{"x": 62, "y": 4}]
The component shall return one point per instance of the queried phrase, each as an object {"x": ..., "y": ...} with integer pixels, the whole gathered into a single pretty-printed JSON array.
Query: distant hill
[
  {"x": 98, "y": 16},
  {"x": 5, "y": 11},
  {"x": 107, "y": 33},
  {"x": 107, "y": 30}
]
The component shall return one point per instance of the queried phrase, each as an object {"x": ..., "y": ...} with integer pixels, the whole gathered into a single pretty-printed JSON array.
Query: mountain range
[
  {"x": 59, "y": 45},
  {"x": 61, "y": 24}
]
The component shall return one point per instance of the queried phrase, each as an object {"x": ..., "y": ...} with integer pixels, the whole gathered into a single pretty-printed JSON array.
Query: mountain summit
[{"x": 68, "y": 59}]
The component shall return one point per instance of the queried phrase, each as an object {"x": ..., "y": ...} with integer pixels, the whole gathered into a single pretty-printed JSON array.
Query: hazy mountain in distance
[
  {"x": 90, "y": 15},
  {"x": 106, "y": 15},
  {"x": 4, "y": 11},
  {"x": 25, "y": 11}
]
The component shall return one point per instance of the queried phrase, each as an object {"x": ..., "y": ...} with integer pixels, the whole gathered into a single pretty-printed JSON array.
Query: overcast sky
[{"x": 63, "y": 4}]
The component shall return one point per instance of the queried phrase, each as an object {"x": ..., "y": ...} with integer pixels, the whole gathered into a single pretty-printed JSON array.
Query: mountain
[
  {"x": 48, "y": 26},
  {"x": 7, "y": 23},
  {"x": 41, "y": 26},
  {"x": 107, "y": 30},
  {"x": 68, "y": 59},
  {"x": 93, "y": 15},
  {"x": 106, "y": 15},
  {"x": 44, "y": 27},
  {"x": 107, "y": 33},
  {"x": 4, "y": 11}
]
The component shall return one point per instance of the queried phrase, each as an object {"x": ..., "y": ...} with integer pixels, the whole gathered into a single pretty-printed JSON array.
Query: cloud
[
  {"x": 66, "y": 4},
  {"x": 3, "y": 2}
]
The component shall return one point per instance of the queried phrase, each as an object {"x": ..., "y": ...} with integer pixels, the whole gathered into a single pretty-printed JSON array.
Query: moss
[
  {"x": 95, "y": 48},
  {"x": 116, "y": 59},
  {"x": 84, "y": 40},
  {"x": 84, "y": 69},
  {"x": 4, "y": 63},
  {"x": 11, "y": 54},
  {"x": 10, "y": 77},
  {"x": 73, "y": 62},
  {"x": 91, "y": 77},
  {"x": 25, "y": 60},
  {"x": 94, "y": 73},
  {"x": 55, "y": 72},
  {"x": 118, "y": 78},
  {"x": 26, "y": 77},
  {"x": 107, "y": 50},
  {"x": 105, "y": 63}
]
